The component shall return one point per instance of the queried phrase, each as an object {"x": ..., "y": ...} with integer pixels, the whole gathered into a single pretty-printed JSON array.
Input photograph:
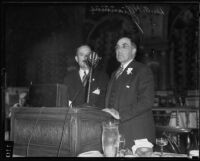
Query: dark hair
[
  {"x": 133, "y": 38},
  {"x": 81, "y": 46}
]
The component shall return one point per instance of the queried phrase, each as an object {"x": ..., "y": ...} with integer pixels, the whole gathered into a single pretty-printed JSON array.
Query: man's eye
[{"x": 124, "y": 46}]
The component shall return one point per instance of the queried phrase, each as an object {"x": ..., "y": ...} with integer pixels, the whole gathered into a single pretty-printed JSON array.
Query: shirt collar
[
  {"x": 126, "y": 64},
  {"x": 81, "y": 71}
]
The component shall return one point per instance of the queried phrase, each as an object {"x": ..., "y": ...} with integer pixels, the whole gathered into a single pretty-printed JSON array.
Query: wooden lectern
[{"x": 37, "y": 132}]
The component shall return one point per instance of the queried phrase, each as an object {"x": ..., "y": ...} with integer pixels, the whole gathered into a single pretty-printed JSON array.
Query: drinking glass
[
  {"x": 110, "y": 139},
  {"x": 161, "y": 142},
  {"x": 122, "y": 150},
  {"x": 121, "y": 142}
]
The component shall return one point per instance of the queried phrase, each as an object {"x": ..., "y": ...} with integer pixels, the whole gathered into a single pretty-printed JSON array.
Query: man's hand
[{"x": 113, "y": 112}]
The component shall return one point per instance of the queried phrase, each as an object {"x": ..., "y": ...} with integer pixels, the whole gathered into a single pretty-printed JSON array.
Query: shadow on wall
[
  {"x": 51, "y": 57},
  {"x": 104, "y": 35}
]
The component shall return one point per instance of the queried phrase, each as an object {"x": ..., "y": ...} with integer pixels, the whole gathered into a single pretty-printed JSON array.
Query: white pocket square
[{"x": 96, "y": 91}]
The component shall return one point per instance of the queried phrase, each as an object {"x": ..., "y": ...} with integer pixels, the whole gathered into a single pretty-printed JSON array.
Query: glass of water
[{"x": 110, "y": 139}]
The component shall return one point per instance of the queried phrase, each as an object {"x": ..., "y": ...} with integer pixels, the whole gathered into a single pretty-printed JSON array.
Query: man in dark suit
[
  {"x": 77, "y": 81},
  {"x": 131, "y": 92}
]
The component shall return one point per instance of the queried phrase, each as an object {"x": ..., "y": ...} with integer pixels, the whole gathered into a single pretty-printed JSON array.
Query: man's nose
[{"x": 86, "y": 57}]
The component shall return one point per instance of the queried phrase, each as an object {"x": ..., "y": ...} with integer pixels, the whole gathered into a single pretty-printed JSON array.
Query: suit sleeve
[
  {"x": 145, "y": 97},
  {"x": 67, "y": 82}
]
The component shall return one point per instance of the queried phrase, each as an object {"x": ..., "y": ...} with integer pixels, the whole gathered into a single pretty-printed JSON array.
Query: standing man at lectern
[
  {"x": 131, "y": 93},
  {"x": 77, "y": 81}
]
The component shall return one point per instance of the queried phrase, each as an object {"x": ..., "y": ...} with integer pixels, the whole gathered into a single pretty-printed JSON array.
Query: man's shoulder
[
  {"x": 70, "y": 75},
  {"x": 140, "y": 65},
  {"x": 72, "y": 72},
  {"x": 16, "y": 105}
]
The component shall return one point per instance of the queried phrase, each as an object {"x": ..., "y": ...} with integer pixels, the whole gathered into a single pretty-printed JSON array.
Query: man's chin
[{"x": 120, "y": 60}]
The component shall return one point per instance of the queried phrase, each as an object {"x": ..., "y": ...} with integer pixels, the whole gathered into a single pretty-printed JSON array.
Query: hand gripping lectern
[{"x": 52, "y": 132}]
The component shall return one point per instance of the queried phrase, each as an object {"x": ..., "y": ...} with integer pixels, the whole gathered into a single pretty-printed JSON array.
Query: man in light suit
[
  {"x": 77, "y": 87},
  {"x": 131, "y": 93}
]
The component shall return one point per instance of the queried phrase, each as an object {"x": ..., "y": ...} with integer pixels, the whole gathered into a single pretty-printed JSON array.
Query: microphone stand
[
  {"x": 89, "y": 85},
  {"x": 92, "y": 64}
]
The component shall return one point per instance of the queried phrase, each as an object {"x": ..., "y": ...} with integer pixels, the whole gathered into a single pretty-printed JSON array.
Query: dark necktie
[
  {"x": 84, "y": 79},
  {"x": 119, "y": 72}
]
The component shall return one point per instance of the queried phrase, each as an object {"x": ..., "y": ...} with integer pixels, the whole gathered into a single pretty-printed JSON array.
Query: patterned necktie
[
  {"x": 84, "y": 79},
  {"x": 119, "y": 72}
]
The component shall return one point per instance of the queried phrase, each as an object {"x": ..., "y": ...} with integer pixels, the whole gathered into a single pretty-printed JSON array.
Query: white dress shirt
[
  {"x": 81, "y": 73},
  {"x": 126, "y": 64}
]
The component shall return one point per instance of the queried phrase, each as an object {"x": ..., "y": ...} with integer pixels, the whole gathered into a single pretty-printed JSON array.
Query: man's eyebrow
[{"x": 123, "y": 44}]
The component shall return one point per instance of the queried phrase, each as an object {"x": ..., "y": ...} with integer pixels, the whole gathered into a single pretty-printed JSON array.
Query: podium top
[{"x": 60, "y": 112}]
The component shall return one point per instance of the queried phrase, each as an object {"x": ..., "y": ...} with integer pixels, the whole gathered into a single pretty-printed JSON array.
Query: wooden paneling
[{"x": 37, "y": 131}]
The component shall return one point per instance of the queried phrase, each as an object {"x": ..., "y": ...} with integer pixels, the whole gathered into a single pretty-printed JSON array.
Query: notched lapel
[{"x": 128, "y": 75}]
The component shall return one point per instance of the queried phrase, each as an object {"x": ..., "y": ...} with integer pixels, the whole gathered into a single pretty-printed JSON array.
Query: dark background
[{"x": 39, "y": 40}]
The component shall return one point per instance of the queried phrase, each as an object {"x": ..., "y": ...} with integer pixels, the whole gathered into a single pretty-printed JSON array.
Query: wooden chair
[
  {"x": 173, "y": 136},
  {"x": 174, "y": 127}
]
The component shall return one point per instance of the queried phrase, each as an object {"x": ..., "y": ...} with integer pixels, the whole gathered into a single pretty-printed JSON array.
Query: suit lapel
[
  {"x": 109, "y": 89},
  {"x": 124, "y": 79},
  {"x": 77, "y": 80}
]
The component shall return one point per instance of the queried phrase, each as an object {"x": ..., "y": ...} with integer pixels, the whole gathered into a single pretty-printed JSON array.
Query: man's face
[
  {"x": 82, "y": 54},
  {"x": 125, "y": 51},
  {"x": 22, "y": 99}
]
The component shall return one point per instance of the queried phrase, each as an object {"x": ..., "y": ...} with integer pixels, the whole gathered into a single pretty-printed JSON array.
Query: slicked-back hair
[
  {"x": 82, "y": 46},
  {"x": 133, "y": 38}
]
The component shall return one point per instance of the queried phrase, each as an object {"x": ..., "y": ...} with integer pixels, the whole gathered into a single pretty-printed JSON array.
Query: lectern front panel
[{"x": 39, "y": 132}]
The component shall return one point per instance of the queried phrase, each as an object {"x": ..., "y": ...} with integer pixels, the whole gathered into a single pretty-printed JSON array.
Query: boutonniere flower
[
  {"x": 129, "y": 71},
  {"x": 97, "y": 91}
]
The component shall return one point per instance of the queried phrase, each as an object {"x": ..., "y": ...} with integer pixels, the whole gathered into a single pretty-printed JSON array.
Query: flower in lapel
[
  {"x": 129, "y": 71},
  {"x": 97, "y": 91}
]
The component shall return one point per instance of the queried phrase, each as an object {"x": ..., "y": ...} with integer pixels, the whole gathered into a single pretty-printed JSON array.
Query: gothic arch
[{"x": 104, "y": 34}]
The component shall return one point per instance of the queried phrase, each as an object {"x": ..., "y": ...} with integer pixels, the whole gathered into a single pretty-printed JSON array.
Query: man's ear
[
  {"x": 134, "y": 52},
  {"x": 76, "y": 58}
]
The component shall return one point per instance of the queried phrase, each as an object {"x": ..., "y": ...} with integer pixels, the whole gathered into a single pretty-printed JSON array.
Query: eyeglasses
[{"x": 123, "y": 46}]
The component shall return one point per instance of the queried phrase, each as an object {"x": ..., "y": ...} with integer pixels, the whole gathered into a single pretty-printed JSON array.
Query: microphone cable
[
  {"x": 27, "y": 149},
  {"x": 63, "y": 129}
]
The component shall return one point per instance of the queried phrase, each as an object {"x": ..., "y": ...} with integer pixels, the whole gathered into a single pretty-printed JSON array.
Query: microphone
[{"x": 92, "y": 59}]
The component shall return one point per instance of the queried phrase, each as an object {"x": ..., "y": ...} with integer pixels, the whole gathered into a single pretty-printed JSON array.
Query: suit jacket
[
  {"x": 134, "y": 101},
  {"x": 77, "y": 92}
]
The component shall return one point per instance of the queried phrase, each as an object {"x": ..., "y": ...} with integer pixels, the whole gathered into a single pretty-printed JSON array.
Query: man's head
[
  {"x": 82, "y": 54},
  {"x": 125, "y": 50},
  {"x": 22, "y": 98}
]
